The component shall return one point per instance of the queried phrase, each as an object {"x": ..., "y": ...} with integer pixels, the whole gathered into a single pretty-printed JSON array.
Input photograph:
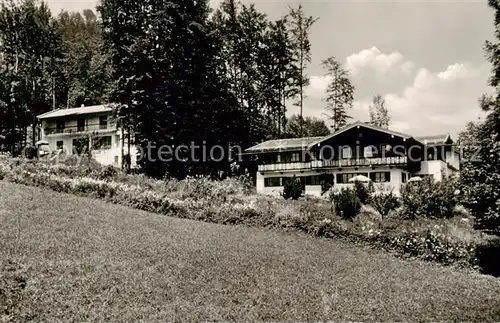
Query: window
[
  {"x": 102, "y": 142},
  {"x": 272, "y": 181},
  {"x": 117, "y": 141},
  {"x": 81, "y": 145},
  {"x": 60, "y": 125},
  {"x": 301, "y": 179},
  {"x": 381, "y": 177},
  {"x": 344, "y": 178},
  {"x": 116, "y": 160},
  {"x": 103, "y": 122},
  {"x": 80, "y": 124},
  {"x": 370, "y": 151},
  {"x": 313, "y": 180},
  {"x": 403, "y": 178},
  {"x": 346, "y": 152},
  {"x": 60, "y": 145}
]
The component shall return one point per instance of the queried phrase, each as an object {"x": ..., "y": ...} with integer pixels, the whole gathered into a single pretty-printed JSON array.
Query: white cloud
[
  {"x": 433, "y": 102},
  {"x": 407, "y": 67},
  {"x": 318, "y": 85},
  {"x": 454, "y": 71},
  {"x": 373, "y": 58},
  {"x": 438, "y": 102}
]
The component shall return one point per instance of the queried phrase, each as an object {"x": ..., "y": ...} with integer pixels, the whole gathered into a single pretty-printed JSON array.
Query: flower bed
[{"x": 448, "y": 241}]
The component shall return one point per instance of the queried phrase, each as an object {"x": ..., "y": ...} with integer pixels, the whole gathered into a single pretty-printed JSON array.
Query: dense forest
[{"x": 165, "y": 64}]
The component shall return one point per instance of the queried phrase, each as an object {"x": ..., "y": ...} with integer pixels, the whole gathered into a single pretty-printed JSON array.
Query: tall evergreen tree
[
  {"x": 30, "y": 47},
  {"x": 86, "y": 72},
  {"x": 277, "y": 72},
  {"x": 379, "y": 114},
  {"x": 246, "y": 44},
  {"x": 300, "y": 28},
  {"x": 167, "y": 62},
  {"x": 340, "y": 92}
]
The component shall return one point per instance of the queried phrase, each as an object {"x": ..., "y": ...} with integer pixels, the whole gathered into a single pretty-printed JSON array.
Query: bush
[
  {"x": 108, "y": 172},
  {"x": 325, "y": 187},
  {"x": 362, "y": 192},
  {"x": 3, "y": 171},
  {"x": 347, "y": 203},
  {"x": 384, "y": 203},
  {"x": 292, "y": 189},
  {"x": 480, "y": 191},
  {"x": 487, "y": 256},
  {"x": 429, "y": 199}
]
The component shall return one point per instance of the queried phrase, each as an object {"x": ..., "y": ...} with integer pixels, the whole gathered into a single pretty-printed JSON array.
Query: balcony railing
[
  {"x": 284, "y": 166},
  {"x": 319, "y": 164},
  {"x": 400, "y": 160},
  {"x": 85, "y": 129}
]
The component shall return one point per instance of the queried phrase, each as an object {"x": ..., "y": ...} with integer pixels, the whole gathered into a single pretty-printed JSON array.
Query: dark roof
[
  {"x": 361, "y": 124},
  {"x": 308, "y": 142},
  {"x": 283, "y": 145}
]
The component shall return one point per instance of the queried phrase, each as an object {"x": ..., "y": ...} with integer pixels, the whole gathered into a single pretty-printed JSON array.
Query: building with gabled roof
[
  {"x": 88, "y": 128},
  {"x": 389, "y": 158}
]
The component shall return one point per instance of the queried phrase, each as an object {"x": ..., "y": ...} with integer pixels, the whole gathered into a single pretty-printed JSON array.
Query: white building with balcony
[
  {"x": 388, "y": 158},
  {"x": 80, "y": 130}
]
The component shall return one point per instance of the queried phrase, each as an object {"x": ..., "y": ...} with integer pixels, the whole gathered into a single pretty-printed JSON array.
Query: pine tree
[
  {"x": 340, "y": 92},
  {"x": 379, "y": 115},
  {"x": 29, "y": 46},
  {"x": 277, "y": 73},
  {"x": 167, "y": 60},
  {"x": 300, "y": 28},
  {"x": 86, "y": 72}
]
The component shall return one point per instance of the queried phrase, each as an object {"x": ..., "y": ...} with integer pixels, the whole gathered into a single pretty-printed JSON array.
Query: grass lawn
[{"x": 66, "y": 258}]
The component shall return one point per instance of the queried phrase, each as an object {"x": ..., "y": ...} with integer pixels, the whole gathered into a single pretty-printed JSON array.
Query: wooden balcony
[
  {"x": 319, "y": 164},
  {"x": 368, "y": 162},
  {"x": 284, "y": 166},
  {"x": 110, "y": 127}
]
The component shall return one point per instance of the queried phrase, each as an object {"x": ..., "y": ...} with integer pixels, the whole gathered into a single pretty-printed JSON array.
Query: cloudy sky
[{"x": 425, "y": 57}]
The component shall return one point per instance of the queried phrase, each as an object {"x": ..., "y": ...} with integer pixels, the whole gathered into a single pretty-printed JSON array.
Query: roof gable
[
  {"x": 360, "y": 124},
  {"x": 76, "y": 111}
]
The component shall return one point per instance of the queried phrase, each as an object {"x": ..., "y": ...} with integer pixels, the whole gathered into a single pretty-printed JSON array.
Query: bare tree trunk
[
  {"x": 33, "y": 126},
  {"x": 123, "y": 146},
  {"x": 53, "y": 93},
  {"x": 129, "y": 158}
]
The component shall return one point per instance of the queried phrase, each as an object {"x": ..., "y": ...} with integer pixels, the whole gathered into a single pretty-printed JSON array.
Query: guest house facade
[
  {"x": 387, "y": 157},
  {"x": 87, "y": 128}
]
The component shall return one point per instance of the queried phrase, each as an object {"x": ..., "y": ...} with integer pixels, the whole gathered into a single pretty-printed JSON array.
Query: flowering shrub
[
  {"x": 429, "y": 199},
  {"x": 228, "y": 202},
  {"x": 347, "y": 203},
  {"x": 362, "y": 192},
  {"x": 4, "y": 170},
  {"x": 481, "y": 195},
  {"x": 431, "y": 246},
  {"x": 384, "y": 203}
]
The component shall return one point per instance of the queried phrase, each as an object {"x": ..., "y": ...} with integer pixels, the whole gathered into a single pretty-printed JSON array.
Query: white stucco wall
[
  {"x": 102, "y": 156},
  {"x": 437, "y": 168},
  {"x": 453, "y": 159},
  {"x": 315, "y": 190}
]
